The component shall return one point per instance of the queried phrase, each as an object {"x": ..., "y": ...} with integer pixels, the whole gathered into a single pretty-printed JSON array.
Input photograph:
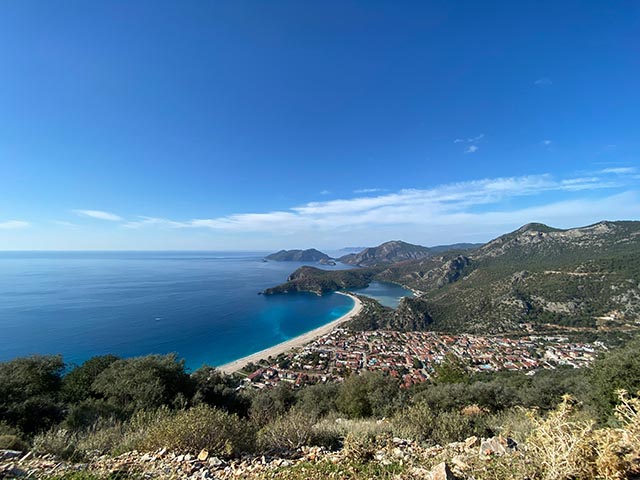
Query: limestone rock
[
  {"x": 441, "y": 472},
  {"x": 471, "y": 442},
  {"x": 497, "y": 446}
]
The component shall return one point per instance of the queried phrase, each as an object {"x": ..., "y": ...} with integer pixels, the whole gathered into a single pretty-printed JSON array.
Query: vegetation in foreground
[{"x": 110, "y": 406}]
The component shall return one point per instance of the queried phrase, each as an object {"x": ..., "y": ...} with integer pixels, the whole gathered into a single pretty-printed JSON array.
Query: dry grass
[
  {"x": 564, "y": 446},
  {"x": 618, "y": 449},
  {"x": 287, "y": 433},
  {"x": 198, "y": 428}
]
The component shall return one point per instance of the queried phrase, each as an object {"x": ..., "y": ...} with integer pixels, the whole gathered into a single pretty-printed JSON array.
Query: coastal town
[{"x": 412, "y": 356}]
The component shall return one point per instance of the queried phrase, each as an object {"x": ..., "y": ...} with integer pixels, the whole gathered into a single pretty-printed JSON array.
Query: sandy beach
[{"x": 296, "y": 342}]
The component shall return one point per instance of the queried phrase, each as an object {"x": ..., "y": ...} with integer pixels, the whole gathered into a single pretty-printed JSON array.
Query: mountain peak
[
  {"x": 389, "y": 252},
  {"x": 536, "y": 227}
]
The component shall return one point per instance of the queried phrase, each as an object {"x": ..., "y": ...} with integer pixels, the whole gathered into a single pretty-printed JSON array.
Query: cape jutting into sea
[{"x": 202, "y": 305}]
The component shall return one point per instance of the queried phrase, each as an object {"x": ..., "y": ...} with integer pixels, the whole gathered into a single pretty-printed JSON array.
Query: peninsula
[{"x": 309, "y": 255}]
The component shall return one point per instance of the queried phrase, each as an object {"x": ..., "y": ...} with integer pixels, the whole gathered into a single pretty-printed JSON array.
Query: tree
[
  {"x": 451, "y": 370},
  {"x": 76, "y": 385},
  {"x": 371, "y": 393},
  {"x": 29, "y": 392},
  {"x": 144, "y": 382},
  {"x": 218, "y": 390},
  {"x": 318, "y": 400},
  {"x": 269, "y": 404},
  {"x": 618, "y": 369}
]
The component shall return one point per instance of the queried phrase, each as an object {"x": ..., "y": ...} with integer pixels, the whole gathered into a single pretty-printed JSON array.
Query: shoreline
[{"x": 294, "y": 342}]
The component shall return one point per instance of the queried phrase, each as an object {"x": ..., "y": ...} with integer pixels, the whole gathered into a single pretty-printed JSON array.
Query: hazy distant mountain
[
  {"x": 455, "y": 246},
  {"x": 310, "y": 255},
  {"x": 351, "y": 249},
  {"x": 398, "y": 251}
]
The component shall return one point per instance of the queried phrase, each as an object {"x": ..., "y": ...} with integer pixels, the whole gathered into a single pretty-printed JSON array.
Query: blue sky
[{"x": 261, "y": 125}]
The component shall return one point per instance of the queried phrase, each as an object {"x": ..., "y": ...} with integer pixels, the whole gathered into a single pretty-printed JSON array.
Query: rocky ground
[{"x": 395, "y": 458}]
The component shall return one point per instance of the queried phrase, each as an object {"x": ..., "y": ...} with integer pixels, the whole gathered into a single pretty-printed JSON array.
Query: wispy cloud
[
  {"x": 325, "y": 192},
  {"x": 99, "y": 214},
  {"x": 546, "y": 143},
  {"x": 13, "y": 225},
  {"x": 470, "y": 139},
  {"x": 369, "y": 190},
  {"x": 151, "y": 222},
  {"x": 543, "y": 82},
  {"x": 472, "y": 149},
  {"x": 446, "y": 204},
  {"x": 619, "y": 170}
]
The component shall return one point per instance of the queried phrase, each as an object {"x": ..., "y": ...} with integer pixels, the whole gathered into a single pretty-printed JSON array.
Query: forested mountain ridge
[
  {"x": 388, "y": 252},
  {"x": 580, "y": 277}
]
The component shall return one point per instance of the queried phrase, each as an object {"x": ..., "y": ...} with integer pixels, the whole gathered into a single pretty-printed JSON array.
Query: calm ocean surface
[{"x": 203, "y": 305}]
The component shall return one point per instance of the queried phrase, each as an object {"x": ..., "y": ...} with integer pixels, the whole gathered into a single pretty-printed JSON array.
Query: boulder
[
  {"x": 497, "y": 446},
  {"x": 441, "y": 472},
  {"x": 471, "y": 442}
]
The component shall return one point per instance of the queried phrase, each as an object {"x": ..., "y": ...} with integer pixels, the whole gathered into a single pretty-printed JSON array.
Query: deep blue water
[{"x": 202, "y": 305}]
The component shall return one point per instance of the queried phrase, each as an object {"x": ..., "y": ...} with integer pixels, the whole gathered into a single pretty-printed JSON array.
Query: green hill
[
  {"x": 389, "y": 252},
  {"x": 309, "y": 255},
  {"x": 537, "y": 275}
]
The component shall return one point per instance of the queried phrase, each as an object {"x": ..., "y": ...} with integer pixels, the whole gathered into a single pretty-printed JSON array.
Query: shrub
[
  {"x": 331, "y": 432},
  {"x": 327, "y": 436},
  {"x": 565, "y": 446},
  {"x": 288, "y": 432},
  {"x": 144, "y": 382},
  {"x": 416, "y": 422},
  {"x": 6, "y": 429},
  {"x": 419, "y": 422},
  {"x": 76, "y": 385},
  {"x": 12, "y": 442},
  {"x": 444, "y": 397},
  {"x": 513, "y": 423},
  {"x": 560, "y": 444},
  {"x": 59, "y": 442},
  {"x": 268, "y": 404},
  {"x": 29, "y": 391},
  {"x": 618, "y": 450},
  {"x": 369, "y": 394},
  {"x": 617, "y": 370},
  {"x": 103, "y": 437},
  {"x": 218, "y": 390},
  {"x": 198, "y": 428},
  {"x": 88, "y": 412},
  {"x": 318, "y": 400},
  {"x": 360, "y": 447},
  {"x": 455, "y": 427}
]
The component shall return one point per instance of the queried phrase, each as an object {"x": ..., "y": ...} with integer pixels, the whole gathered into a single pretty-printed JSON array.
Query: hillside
[
  {"x": 309, "y": 255},
  {"x": 316, "y": 280},
  {"x": 455, "y": 246},
  {"x": 389, "y": 252},
  {"x": 583, "y": 277}
]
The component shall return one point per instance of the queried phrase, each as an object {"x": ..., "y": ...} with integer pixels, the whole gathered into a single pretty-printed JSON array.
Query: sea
[{"x": 204, "y": 306}]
